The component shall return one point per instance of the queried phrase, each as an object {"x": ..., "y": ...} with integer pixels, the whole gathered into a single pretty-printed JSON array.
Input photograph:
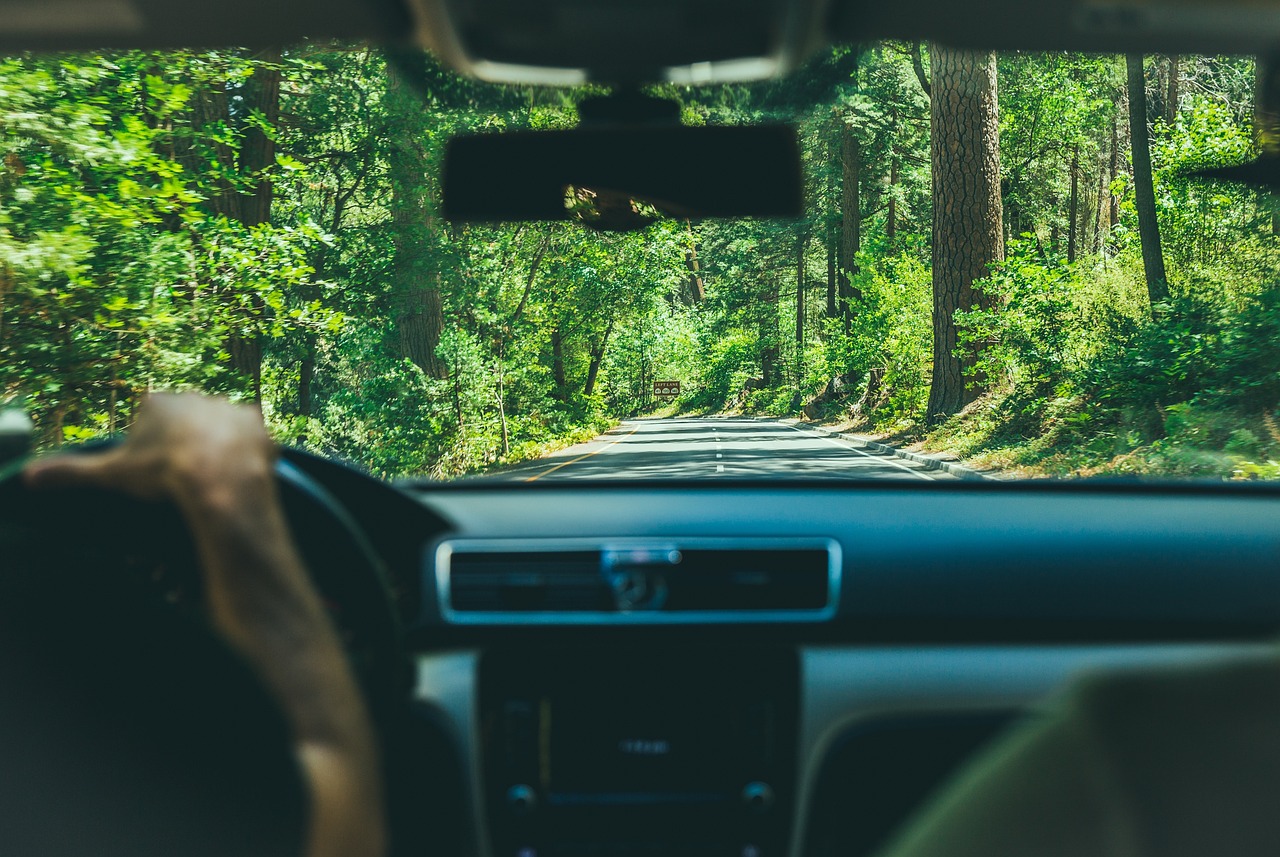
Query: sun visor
[
  {"x": 1105, "y": 26},
  {"x": 58, "y": 25}
]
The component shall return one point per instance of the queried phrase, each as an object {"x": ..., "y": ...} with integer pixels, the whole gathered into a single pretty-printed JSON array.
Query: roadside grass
[
  {"x": 532, "y": 451},
  {"x": 1009, "y": 434},
  {"x": 1065, "y": 438}
]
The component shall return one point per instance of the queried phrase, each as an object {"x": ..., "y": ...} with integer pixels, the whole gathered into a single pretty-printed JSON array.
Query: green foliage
[{"x": 178, "y": 220}]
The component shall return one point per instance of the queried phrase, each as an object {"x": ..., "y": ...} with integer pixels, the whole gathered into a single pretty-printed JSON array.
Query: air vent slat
[{"x": 525, "y": 582}]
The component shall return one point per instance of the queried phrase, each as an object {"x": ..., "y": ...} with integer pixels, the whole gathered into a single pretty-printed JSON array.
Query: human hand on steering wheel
[
  {"x": 193, "y": 450},
  {"x": 215, "y": 462}
]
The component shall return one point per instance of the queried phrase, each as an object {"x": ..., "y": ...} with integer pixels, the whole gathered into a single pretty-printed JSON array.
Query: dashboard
[{"x": 791, "y": 669}]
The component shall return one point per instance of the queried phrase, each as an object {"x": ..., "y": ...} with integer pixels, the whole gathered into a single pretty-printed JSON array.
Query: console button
[
  {"x": 758, "y": 797},
  {"x": 522, "y": 800}
]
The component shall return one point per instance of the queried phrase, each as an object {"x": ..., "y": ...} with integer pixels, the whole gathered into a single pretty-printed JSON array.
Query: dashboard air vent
[{"x": 692, "y": 581}]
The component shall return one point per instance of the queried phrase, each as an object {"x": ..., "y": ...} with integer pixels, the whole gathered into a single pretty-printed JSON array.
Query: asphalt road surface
[{"x": 716, "y": 448}]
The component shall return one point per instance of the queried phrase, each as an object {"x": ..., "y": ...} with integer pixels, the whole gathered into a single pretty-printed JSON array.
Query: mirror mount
[{"x": 627, "y": 106}]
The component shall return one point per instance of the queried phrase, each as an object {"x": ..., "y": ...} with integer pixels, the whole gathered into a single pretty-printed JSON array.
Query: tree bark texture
[
  {"x": 968, "y": 229},
  {"x": 1143, "y": 183},
  {"x": 417, "y": 303}
]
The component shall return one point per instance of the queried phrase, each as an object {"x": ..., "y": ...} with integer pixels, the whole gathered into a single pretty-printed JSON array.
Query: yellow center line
[{"x": 580, "y": 457}]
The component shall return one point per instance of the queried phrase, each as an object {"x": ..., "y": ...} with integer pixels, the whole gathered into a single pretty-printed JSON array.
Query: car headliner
[{"x": 482, "y": 37}]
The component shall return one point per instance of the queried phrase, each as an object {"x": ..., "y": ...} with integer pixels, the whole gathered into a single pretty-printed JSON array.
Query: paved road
[{"x": 716, "y": 448}]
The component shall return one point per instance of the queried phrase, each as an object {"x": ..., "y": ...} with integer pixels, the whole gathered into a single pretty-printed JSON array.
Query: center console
[{"x": 639, "y": 751}]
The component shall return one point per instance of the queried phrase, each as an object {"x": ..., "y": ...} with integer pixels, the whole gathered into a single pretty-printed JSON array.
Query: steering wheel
[{"x": 75, "y": 532}]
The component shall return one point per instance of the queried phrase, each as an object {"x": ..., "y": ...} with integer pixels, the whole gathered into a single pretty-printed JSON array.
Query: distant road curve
[{"x": 716, "y": 448}]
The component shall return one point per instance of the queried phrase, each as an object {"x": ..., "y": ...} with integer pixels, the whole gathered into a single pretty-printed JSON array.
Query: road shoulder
[{"x": 929, "y": 462}]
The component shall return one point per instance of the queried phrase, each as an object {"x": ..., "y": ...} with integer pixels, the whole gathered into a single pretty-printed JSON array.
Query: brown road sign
[{"x": 666, "y": 390}]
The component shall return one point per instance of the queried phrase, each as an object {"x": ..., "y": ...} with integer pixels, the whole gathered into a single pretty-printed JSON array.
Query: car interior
[{"x": 733, "y": 668}]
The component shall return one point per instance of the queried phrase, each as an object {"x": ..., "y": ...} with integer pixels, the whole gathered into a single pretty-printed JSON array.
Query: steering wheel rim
[{"x": 346, "y": 571}]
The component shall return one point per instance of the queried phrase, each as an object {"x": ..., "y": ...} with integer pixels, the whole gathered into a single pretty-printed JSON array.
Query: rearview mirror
[{"x": 624, "y": 177}]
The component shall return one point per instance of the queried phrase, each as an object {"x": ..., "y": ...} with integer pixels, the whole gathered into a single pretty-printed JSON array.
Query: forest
[{"x": 1002, "y": 257}]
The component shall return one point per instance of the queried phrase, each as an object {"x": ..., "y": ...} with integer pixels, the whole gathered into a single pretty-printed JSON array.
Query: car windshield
[{"x": 1003, "y": 268}]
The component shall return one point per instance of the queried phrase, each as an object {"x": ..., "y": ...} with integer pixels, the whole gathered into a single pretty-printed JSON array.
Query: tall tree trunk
[
  {"x": 597, "y": 358},
  {"x": 557, "y": 363},
  {"x": 501, "y": 395},
  {"x": 1073, "y": 206},
  {"x": 833, "y": 226},
  {"x": 833, "y": 247},
  {"x": 113, "y": 394},
  {"x": 1173, "y": 95},
  {"x": 1100, "y": 210},
  {"x": 306, "y": 374},
  {"x": 1143, "y": 184},
  {"x": 6, "y": 285},
  {"x": 696, "y": 291},
  {"x": 891, "y": 215},
  {"x": 418, "y": 306},
  {"x": 801, "y": 240},
  {"x": 850, "y": 216},
  {"x": 529, "y": 280},
  {"x": 968, "y": 229},
  {"x": 767, "y": 332},
  {"x": 260, "y": 96},
  {"x": 917, "y": 65},
  {"x": 1113, "y": 201}
]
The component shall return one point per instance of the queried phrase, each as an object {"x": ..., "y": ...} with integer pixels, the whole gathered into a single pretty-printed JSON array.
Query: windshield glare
[{"x": 1003, "y": 270}]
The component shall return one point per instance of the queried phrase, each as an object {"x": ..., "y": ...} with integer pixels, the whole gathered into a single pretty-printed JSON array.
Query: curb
[{"x": 930, "y": 463}]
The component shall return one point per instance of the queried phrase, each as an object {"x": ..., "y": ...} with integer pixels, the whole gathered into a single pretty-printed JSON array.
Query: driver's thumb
[{"x": 66, "y": 469}]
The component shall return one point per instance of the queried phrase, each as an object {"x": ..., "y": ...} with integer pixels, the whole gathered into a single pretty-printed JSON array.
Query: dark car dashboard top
[{"x": 860, "y": 563}]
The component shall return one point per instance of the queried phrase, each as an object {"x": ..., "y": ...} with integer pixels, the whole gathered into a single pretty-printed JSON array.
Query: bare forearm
[
  {"x": 261, "y": 600},
  {"x": 216, "y": 462}
]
